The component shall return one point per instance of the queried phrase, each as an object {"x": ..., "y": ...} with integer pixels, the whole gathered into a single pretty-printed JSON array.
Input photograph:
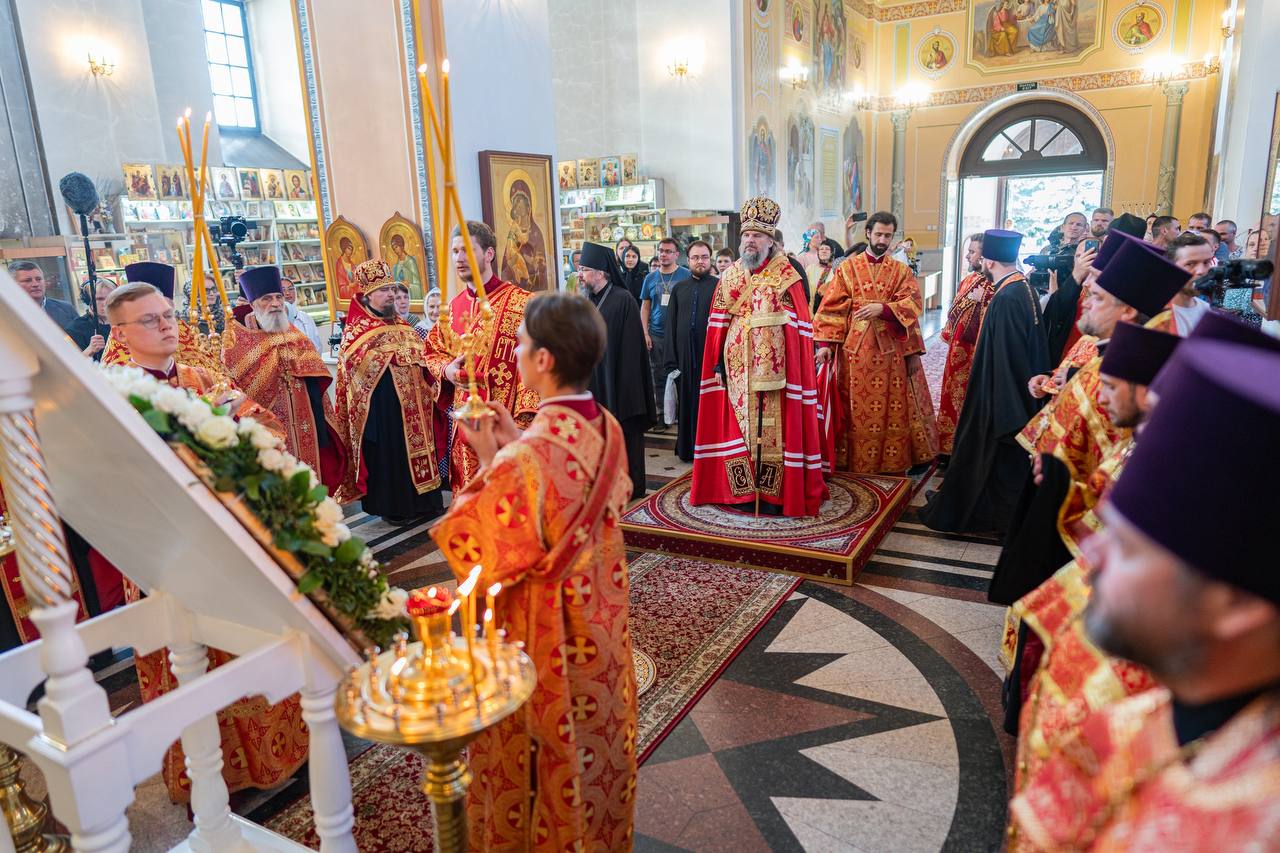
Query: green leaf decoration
[
  {"x": 314, "y": 546},
  {"x": 349, "y": 551},
  {"x": 308, "y": 583},
  {"x": 318, "y": 494},
  {"x": 157, "y": 420}
]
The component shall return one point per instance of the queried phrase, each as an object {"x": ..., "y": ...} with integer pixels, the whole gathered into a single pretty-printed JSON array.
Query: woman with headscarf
[{"x": 633, "y": 271}]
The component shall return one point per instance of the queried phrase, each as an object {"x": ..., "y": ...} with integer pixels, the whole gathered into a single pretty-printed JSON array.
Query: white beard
[{"x": 272, "y": 321}]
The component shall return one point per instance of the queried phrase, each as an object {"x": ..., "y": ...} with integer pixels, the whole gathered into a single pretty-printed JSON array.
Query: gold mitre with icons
[
  {"x": 372, "y": 275},
  {"x": 760, "y": 213}
]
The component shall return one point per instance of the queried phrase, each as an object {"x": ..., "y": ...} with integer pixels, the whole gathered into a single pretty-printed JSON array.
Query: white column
[
  {"x": 328, "y": 772},
  {"x": 1250, "y": 106},
  {"x": 202, "y": 745},
  {"x": 1173, "y": 95},
  {"x": 898, "y": 202}
]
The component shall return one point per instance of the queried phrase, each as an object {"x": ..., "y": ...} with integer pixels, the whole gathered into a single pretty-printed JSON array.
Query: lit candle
[
  {"x": 433, "y": 195},
  {"x": 466, "y": 593},
  {"x": 448, "y": 121},
  {"x": 491, "y": 639}
]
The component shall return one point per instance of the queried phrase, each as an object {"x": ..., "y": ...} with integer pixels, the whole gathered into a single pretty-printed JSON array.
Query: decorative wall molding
[{"x": 906, "y": 11}]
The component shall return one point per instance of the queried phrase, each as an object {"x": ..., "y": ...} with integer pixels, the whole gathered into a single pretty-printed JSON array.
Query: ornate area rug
[
  {"x": 832, "y": 547},
  {"x": 934, "y": 362},
  {"x": 689, "y": 619}
]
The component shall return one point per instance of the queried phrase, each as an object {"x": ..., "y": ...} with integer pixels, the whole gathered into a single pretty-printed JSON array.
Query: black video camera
[
  {"x": 230, "y": 231},
  {"x": 1042, "y": 265},
  {"x": 1241, "y": 272}
]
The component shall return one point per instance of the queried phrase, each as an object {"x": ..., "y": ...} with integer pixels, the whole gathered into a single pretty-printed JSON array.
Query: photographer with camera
[
  {"x": 1194, "y": 255},
  {"x": 1055, "y": 278}
]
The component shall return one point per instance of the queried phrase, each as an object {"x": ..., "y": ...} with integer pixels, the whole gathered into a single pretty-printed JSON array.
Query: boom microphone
[{"x": 79, "y": 193}]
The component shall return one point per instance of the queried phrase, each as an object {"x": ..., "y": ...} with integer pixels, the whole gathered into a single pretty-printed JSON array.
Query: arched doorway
[{"x": 1024, "y": 161}]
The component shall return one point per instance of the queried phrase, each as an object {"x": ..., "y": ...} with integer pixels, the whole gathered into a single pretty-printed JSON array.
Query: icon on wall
[
  {"x": 139, "y": 181},
  {"x": 250, "y": 184},
  {"x": 610, "y": 171},
  {"x": 935, "y": 53},
  {"x": 516, "y": 194},
  {"x": 567, "y": 172},
  {"x": 345, "y": 249},
  {"x": 225, "y": 184},
  {"x": 630, "y": 169},
  {"x": 588, "y": 173},
  {"x": 1025, "y": 33},
  {"x": 400, "y": 242},
  {"x": 761, "y": 159},
  {"x": 297, "y": 184},
  {"x": 171, "y": 183},
  {"x": 272, "y": 183},
  {"x": 1138, "y": 25}
]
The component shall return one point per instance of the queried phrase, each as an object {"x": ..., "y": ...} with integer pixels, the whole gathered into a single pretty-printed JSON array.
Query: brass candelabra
[{"x": 437, "y": 694}]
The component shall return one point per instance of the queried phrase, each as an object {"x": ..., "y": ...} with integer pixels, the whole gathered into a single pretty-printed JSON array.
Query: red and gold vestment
[
  {"x": 542, "y": 519},
  {"x": 371, "y": 347},
  {"x": 1122, "y": 783},
  {"x": 498, "y": 378},
  {"x": 189, "y": 349},
  {"x": 964, "y": 321},
  {"x": 759, "y": 385},
  {"x": 273, "y": 368},
  {"x": 888, "y": 412}
]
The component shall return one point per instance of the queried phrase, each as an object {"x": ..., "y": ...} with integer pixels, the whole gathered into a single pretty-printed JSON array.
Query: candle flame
[
  {"x": 444, "y": 66},
  {"x": 466, "y": 587},
  {"x": 488, "y": 614},
  {"x": 453, "y": 608},
  {"x": 208, "y": 117},
  {"x": 495, "y": 589},
  {"x": 431, "y": 592},
  {"x": 187, "y": 114},
  {"x": 179, "y": 124},
  {"x": 422, "y": 69}
]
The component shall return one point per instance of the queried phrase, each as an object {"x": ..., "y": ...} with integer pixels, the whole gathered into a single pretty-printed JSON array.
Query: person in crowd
[
  {"x": 1151, "y": 221},
  {"x": 497, "y": 378},
  {"x": 91, "y": 335},
  {"x": 987, "y": 465},
  {"x": 1058, "y": 659},
  {"x": 402, "y": 306},
  {"x": 655, "y": 295},
  {"x": 837, "y": 251},
  {"x": 280, "y": 370},
  {"x": 300, "y": 319},
  {"x": 687, "y": 318},
  {"x": 1199, "y": 222},
  {"x": 1194, "y": 254},
  {"x": 571, "y": 281},
  {"x": 163, "y": 277},
  {"x": 384, "y": 391},
  {"x": 1186, "y": 765},
  {"x": 794, "y": 261},
  {"x": 1229, "y": 249},
  {"x": 1164, "y": 230},
  {"x": 819, "y": 274},
  {"x": 634, "y": 271},
  {"x": 869, "y": 318},
  {"x": 724, "y": 260},
  {"x": 808, "y": 255},
  {"x": 622, "y": 381},
  {"x": 621, "y": 246},
  {"x": 30, "y": 277},
  {"x": 964, "y": 320},
  {"x": 563, "y": 578},
  {"x": 757, "y": 444},
  {"x": 1100, "y": 222},
  {"x": 1066, "y": 294},
  {"x": 430, "y": 313}
]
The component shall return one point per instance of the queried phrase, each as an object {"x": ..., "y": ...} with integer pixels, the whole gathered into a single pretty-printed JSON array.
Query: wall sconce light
[
  {"x": 679, "y": 68},
  {"x": 910, "y": 97},
  {"x": 795, "y": 74},
  {"x": 1164, "y": 69},
  {"x": 1212, "y": 63},
  {"x": 1228, "y": 24},
  {"x": 100, "y": 67},
  {"x": 858, "y": 98}
]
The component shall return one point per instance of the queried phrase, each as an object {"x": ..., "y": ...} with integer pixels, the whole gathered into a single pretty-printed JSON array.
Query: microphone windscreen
[{"x": 79, "y": 193}]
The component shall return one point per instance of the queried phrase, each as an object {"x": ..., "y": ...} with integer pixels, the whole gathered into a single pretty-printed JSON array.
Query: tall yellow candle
[
  {"x": 452, "y": 196},
  {"x": 433, "y": 192},
  {"x": 448, "y": 122}
]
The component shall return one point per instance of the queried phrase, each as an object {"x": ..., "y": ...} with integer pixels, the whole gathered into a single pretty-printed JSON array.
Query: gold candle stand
[{"x": 430, "y": 696}]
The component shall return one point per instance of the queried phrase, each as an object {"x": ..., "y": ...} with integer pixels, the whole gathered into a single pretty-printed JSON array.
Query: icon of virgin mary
[{"x": 524, "y": 252}]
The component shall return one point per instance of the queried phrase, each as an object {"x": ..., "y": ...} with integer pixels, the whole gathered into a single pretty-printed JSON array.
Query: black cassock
[
  {"x": 623, "y": 382},
  {"x": 686, "y": 324},
  {"x": 391, "y": 492},
  {"x": 1060, "y": 317},
  {"x": 988, "y": 465}
]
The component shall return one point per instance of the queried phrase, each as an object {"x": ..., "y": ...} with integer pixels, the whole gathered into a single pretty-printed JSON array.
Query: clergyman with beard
[
  {"x": 973, "y": 295},
  {"x": 687, "y": 314},
  {"x": 279, "y": 369}
]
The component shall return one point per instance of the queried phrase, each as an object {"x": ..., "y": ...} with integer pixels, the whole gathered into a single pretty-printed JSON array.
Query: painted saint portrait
[
  {"x": 795, "y": 20},
  {"x": 346, "y": 249},
  {"x": 935, "y": 53},
  {"x": 567, "y": 173},
  {"x": 630, "y": 169},
  {"x": 1138, "y": 26},
  {"x": 829, "y": 39},
  {"x": 171, "y": 183},
  {"x": 761, "y": 159},
  {"x": 610, "y": 172},
  {"x": 800, "y": 145},
  {"x": 250, "y": 184},
  {"x": 588, "y": 173},
  {"x": 139, "y": 181},
  {"x": 225, "y": 185},
  {"x": 851, "y": 167},
  {"x": 1005, "y": 33},
  {"x": 272, "y": 183},
  {"x": 297, "y": 184},
  {"x": 400, "y": 242},
  {"x": 516, "y": 192}
]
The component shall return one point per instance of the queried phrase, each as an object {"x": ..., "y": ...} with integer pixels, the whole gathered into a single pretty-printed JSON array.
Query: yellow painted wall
[{"x": 1108, "y": 78}]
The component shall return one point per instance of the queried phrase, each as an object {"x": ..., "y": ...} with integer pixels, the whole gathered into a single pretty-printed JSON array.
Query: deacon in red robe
[
  {"x": 541, "y": 518},
  {"x": 869, "y": 324},
  {"x": 1193, "y": 764},
  {"x": 758, "y": 445},
  {"x": 964, "y": 320},
  {"x": 279, "y": 369},
  {"x": 496, "y": 376}
]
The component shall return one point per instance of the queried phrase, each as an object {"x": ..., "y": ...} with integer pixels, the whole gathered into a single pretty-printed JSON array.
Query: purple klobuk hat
[
  {"x": 1111, "y": 245},
  {"x": 158, "y": 275},
  {"x": 1217, "y": 326},
  {"x": 257, "y": 282},
  {"x": 1001, "y": 246},
  {"x": 1211, "y": 389},
  {"x": 1139, "y": 277},
  {"x": 1136, "y": 353}
]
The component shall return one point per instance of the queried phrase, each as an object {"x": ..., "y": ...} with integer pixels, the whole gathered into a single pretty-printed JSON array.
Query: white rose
[
  {"x": 329, "y": 535},
  {"x": 142, "y": 386},
  {"x": 271, "y": 459},
  {"x": 391, "y": 606},
  {"x": 342, "y": 531},
  {"x": 193, "y": 413},
  {"x": 169, "y": 399},
  {"x": 328, "y": 512},
  {"x": 218, "y": 432},
  {"x": 262, "y": 438}
]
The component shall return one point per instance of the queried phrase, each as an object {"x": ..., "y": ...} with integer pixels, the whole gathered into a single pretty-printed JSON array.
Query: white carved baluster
[
  {"x": 202, "y": 744},
  {"x": 74, "y": 707},
  {"x": 330, "y": 778}
]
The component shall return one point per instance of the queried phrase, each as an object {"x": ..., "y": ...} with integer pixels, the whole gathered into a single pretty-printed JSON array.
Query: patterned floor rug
[
  {"x": 689, "y": 619},
  {"x": 832, "y": 548}
]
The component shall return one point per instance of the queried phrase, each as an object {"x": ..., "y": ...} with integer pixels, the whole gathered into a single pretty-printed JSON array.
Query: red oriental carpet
[
  {"x": 832, "y": 547},
  {"x": 689, "y": 619}
]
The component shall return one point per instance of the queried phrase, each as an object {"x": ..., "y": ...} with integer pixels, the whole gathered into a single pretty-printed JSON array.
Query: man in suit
[{"x": 30, "y": 278}]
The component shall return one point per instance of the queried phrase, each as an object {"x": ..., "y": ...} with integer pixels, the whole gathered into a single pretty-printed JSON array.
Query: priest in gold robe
[
  {"x": 385, "y": 397},
  {"x": 496, "y": 376},
  {"x": 869, "y": 323},
  {"x": 279, "y": 369},
  {"x": 541, "y": 517}
]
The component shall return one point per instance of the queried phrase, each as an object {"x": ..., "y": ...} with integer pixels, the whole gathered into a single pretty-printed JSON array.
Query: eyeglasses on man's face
[{"x": 152, "y": 321}]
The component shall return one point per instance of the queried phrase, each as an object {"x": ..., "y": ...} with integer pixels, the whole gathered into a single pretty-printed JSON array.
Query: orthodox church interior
[{"x": 837, "y": 681}]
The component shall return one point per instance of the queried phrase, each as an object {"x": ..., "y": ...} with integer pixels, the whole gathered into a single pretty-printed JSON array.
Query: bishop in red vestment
[
  {"x": 758, "y": 444},
  {"x": 496, "y": 376},
  {"x": 869, "y": 323},
  {"x": 964, "y": 320}
]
